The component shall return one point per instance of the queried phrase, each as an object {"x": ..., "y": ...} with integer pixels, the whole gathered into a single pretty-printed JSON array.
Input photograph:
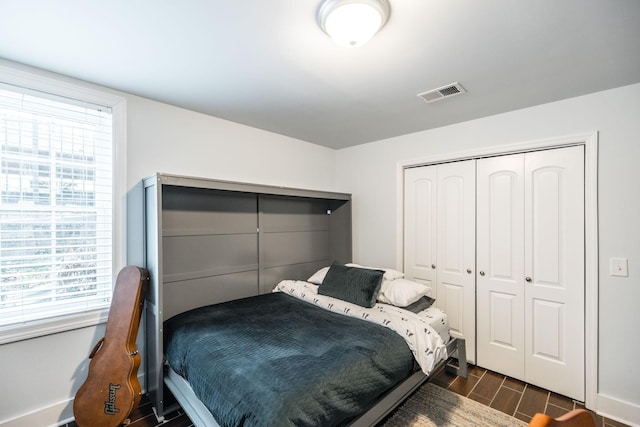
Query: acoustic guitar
[{"x": 112, "y": 390}]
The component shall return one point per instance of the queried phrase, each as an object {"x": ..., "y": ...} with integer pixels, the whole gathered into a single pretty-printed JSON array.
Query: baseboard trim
[
  {"x": 618, "y": 410},
  {"x": 54, "y": 415}
]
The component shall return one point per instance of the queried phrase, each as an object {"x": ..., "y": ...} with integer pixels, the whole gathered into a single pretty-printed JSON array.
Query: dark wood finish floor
[
  {"x": 505, "y": 394},
  {"x": 511, "y": 396}
]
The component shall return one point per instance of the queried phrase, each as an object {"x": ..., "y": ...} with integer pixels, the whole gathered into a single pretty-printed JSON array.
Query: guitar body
[{"x": 112, "y": 390}]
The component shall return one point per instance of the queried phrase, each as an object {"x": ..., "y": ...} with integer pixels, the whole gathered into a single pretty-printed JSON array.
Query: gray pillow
[{"x": 355, "y": 285}]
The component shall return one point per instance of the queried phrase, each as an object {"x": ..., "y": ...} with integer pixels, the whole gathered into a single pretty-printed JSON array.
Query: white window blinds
[{"x": 55, "y": 206}]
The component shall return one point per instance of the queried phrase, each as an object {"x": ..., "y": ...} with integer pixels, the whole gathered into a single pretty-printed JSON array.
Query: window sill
[{"x": 13, "y": 333}]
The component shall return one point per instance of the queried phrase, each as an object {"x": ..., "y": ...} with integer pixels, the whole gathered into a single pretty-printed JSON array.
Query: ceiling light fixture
[{"x": 352, "y": 23}]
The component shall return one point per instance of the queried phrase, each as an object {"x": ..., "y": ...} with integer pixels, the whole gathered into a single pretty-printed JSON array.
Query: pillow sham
[
  {"x": 402, "y": 292},
  {"x": 355, "y": 285}
]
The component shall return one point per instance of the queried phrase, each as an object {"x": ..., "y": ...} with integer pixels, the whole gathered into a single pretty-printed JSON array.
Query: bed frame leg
[{"x": 461, "y": 369}]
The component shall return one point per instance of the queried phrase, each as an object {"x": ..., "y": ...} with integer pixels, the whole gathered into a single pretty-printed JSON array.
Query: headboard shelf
[
  {"x": 207, "y": 241},
  {"x": 242, "y": 187}
]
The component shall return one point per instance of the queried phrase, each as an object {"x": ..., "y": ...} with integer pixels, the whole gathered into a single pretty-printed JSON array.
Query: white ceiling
[{"x": 267, "y": 64}]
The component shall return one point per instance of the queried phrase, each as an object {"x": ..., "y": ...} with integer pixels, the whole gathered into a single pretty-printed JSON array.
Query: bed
[
  {"x": 301, "y": 358},
  {"x": 207, "y": 242}
]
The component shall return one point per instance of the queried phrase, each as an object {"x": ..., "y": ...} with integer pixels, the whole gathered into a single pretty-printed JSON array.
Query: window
[{"x": 56, "y": 207}]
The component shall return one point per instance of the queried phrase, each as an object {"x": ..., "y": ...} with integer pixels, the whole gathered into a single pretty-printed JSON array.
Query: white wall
[
  {"x": 40, "y": 376},
  {"x": 163, "y": 138},
  {"x": 370, "y": 172}
]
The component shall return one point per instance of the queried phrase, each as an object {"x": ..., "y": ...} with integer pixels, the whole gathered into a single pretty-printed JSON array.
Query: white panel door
[
  {"x": 500, "y": 263},
  {"x": 530, "y": 254},
  {"x": 554, "y": 270},
  {"x": 455, "y": 264},
  {"x": 420, "y": 198},
  {"x": 439, "y": 240}
]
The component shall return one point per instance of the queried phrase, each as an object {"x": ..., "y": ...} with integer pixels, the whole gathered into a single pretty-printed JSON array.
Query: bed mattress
[{"x": 438, "y": 321}]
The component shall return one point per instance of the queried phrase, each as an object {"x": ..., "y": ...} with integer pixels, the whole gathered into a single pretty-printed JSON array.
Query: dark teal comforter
[{"x": 274, "y": 360}]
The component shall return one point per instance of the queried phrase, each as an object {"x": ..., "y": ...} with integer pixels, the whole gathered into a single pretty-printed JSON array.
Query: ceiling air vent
[{"x": 442, "y": 92}]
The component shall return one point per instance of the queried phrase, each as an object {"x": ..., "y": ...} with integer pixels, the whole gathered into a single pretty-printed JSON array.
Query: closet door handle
[
  {"x": 468, "y": 270},
  {"x": 433, "y": 266},
  {"x": 482, "y": 273},
  {"x": 528, "y": 279}
]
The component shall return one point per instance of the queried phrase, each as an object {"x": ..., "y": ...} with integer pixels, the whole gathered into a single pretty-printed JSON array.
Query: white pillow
[
  {"x": 318, "y": 276},
  {"x": 401, "y": 292},
  {"x": 389, "y": 274}
]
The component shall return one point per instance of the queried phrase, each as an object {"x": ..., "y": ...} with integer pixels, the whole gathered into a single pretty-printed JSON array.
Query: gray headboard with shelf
[{"x": 207, "y": 241}]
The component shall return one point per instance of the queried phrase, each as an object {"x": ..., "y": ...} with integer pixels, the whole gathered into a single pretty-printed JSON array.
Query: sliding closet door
[{"x": 554, "y": 270}]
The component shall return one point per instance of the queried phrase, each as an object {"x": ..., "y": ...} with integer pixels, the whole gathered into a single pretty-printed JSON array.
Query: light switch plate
[{"x": 618, "y": 267}]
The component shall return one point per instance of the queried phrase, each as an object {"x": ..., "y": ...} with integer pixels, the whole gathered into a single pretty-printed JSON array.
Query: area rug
[{"x": 433, "y": 406}]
